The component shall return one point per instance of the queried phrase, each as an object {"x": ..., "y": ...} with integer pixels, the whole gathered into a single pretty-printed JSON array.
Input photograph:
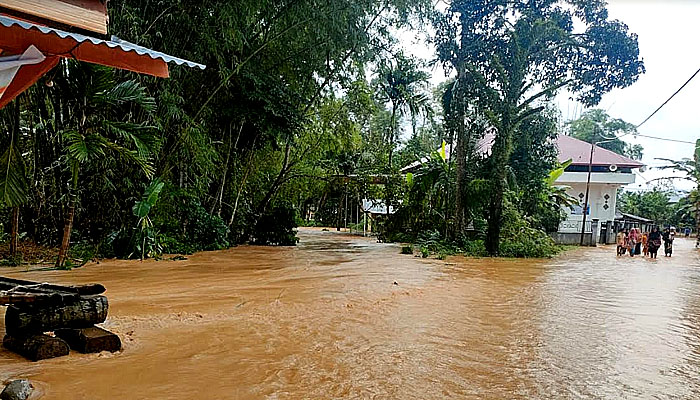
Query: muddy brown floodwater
[{"x": 325, "y": 320}]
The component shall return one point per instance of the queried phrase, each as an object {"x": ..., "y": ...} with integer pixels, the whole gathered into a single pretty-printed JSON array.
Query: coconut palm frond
[
  {"x": 14, "y": 188},
  {"x": 128, "y": 92}
]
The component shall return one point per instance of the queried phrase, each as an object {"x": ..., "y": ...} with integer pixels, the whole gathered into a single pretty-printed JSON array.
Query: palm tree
[
  {"x": 401, "y": 84},
  {"x": 97, "y": 113}
]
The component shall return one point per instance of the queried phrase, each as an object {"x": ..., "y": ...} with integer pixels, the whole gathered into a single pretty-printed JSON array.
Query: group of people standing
[{"x": 635, "y": 242}]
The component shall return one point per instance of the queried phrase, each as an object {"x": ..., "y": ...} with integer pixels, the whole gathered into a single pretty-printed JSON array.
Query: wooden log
[
  {"x": 83, "y": 290},
  {"x": 90, "y": 340},
  {"x": 37, "y": 347},
  {"x": 15, "y": 297},
  {"x": 84, "y": 313}
]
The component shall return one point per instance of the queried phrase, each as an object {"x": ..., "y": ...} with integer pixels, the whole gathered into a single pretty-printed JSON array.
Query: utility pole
[{"x": 588, "y": 189}]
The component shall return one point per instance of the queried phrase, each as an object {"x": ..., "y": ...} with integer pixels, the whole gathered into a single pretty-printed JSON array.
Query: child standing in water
[{"x": 645, "y": 244}]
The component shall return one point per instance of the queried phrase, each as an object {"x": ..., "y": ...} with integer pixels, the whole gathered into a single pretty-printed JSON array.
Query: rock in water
[
  {"x": 37, "y": 347},
  {"x": 17, "y": 390},
  {"x": 90, "y": 340},
  {"x": 84, "y": 313}
]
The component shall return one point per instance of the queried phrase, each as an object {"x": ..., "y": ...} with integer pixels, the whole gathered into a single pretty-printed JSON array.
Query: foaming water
[{"x": 325, "y": 320}]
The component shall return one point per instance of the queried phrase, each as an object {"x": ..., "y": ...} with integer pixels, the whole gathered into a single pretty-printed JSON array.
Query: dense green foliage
[
  {"x": 307, "y": 108},
  {"x": 509, "y": 56},
  {"x": 654, "y": 204}
]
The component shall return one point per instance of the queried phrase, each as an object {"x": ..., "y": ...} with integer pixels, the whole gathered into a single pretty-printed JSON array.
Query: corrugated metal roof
[
  {"x": 114, "y": 43},
  {"x": 580, "y": 153}
]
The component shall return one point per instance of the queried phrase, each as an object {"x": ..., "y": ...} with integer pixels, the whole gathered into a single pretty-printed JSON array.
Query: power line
[
  {"x": 665, "y": 139},
  {"x": 669, "y": 99}
]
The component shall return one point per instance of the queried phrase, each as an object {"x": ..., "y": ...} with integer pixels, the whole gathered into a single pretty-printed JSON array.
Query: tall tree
[
  {"x": 597, "y": 126},
  {"x": 509, "y": 55},
  {"x": 403, "y": 85}
]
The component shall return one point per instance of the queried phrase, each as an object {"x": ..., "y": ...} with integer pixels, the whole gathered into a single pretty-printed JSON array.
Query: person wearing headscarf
[
  {"x": 632, "y": 240},
  {"x": 654, "y": 242},
  {"x": 668, "y": 237}
]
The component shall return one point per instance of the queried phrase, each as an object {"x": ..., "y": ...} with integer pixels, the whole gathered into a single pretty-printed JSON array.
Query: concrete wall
[{"x": 571, "y": 239}]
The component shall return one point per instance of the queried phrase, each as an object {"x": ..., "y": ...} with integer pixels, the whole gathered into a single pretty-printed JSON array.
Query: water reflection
[{"x": 325, "y": 320}]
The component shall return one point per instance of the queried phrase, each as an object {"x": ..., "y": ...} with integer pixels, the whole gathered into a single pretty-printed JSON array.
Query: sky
[{"x": 668, "y": 33}]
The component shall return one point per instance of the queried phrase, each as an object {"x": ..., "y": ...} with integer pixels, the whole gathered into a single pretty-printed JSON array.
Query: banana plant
[
  {"x": 557, "y": 193},
  {"x": 144, "y": 226}
]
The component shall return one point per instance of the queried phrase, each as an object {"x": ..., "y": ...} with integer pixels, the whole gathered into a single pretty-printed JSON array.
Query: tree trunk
[
  {"x": 495, "y": 212},
  {"x": 249, "y": 166},
  {"x": 461, "y": 162},
  {"x": 67, "y": 228},
  {"x": 499, "y": 161},
  {"x": 277, "y": 183},
  {"x": 220, "y": 194},
  {"x": 14, "y": 235},
  {"x": 84, "y": 313},
  {"x": 387, "y": 186}
]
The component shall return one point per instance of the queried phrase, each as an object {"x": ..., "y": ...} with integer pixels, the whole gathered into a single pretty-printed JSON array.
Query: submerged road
[{"x": 325, "y": 320}]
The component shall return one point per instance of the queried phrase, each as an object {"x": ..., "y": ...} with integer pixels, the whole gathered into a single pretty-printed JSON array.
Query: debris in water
[{"x": 396, "y": 283}]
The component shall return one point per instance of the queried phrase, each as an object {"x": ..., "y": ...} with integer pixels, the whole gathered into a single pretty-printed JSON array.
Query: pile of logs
[{"x": 35, "y": 310}]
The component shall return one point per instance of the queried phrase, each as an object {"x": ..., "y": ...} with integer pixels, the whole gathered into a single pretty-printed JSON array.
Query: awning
[{"x": 17, "y": 36}]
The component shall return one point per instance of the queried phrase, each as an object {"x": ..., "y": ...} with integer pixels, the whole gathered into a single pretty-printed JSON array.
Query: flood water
[{"x": 325, "y": 320}]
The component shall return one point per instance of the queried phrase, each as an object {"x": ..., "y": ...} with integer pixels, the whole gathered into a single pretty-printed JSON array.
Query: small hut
[{"x": 627, "y": 221}]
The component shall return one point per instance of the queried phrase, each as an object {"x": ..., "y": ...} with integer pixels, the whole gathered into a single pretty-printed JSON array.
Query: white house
[{"x": 609, "y": 172}]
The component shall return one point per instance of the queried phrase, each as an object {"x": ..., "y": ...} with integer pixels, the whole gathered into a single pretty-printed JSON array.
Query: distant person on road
[
  {"x": 668, "y": 237},
  {"x": 621, "y": 242},
  {"x": 654, "y": 242},
  {"x": 645, "y": 244},
  {"x": 632, "y": 240}
]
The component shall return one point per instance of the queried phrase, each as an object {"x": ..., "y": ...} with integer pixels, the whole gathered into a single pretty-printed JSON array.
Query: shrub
[
  {"x": 12, "y": 261},
  {"x": 407, "y": 249},
  {"x": 474, "y": 248},
  {"x": 424, "y": 252},
  {"x": 277, "y": 227},
  {"x": 532, "y": 243},
  {"x": 184, "y": 226}
]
